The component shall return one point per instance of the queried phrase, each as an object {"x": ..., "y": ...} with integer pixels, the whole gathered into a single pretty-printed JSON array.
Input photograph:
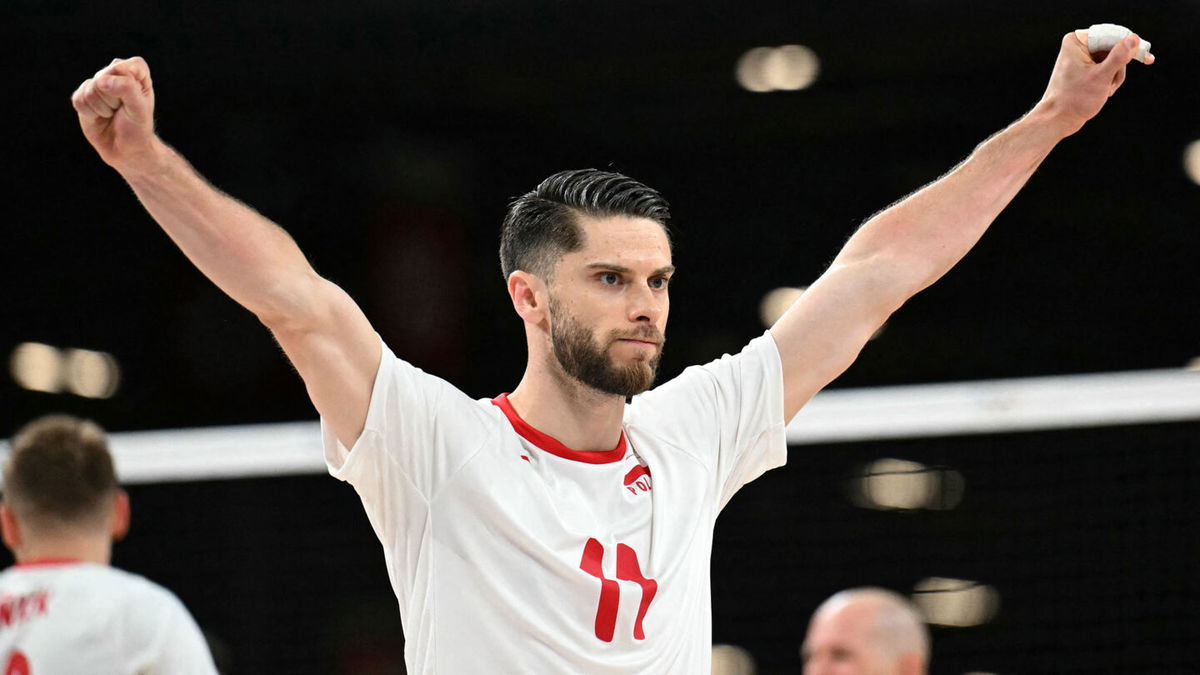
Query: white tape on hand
[{"x": 1102, "y": 37}]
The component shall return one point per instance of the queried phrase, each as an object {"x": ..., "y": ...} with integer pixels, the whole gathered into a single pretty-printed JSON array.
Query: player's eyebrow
[{"x": 610, "y": 267}]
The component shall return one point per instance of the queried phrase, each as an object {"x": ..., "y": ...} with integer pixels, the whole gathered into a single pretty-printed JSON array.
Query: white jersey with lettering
[
  {"x": 60, "y": 617},
  {"x": 511, "y": 553}
]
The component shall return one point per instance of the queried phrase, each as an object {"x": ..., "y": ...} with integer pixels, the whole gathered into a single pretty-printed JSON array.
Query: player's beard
[{"x": 584, "y": 359}]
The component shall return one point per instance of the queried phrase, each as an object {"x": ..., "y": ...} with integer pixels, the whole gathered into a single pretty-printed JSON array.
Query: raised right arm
[{"x": 253, "y": 260}]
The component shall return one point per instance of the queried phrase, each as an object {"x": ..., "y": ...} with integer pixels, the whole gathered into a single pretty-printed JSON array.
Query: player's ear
[
  {"x": 9, "y": 528},
  {"x": 528, "y": 294},
  {"x": 120, "y": 516}
]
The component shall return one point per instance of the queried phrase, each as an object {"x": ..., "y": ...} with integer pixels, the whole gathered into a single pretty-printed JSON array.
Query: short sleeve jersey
[
  {"x": 510, "y": 552},
  {"x": 74, "y": 617}
]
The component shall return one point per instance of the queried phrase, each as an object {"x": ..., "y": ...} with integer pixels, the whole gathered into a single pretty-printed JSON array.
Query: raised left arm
[{"x": 905, "y": 248}]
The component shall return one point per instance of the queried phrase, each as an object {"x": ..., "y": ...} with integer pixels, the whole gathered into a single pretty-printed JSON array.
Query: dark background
[{"x": 387, "y": 137}]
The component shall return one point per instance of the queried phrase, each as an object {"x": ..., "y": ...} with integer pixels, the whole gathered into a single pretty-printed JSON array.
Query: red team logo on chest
[{"x": 637, "y": 481}]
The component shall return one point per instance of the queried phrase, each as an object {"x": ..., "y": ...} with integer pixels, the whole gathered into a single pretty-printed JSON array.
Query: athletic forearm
[
  {"x": 914, "y": 242},
  {"x": 928, "y": 232},
  {"x": 249, "y": 257},
  {"x": 319, "y": 326},
  {"x": 921, "y": 237}
]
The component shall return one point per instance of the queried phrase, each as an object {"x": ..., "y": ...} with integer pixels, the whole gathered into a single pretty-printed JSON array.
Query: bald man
[{"x": 866, "y": 631}]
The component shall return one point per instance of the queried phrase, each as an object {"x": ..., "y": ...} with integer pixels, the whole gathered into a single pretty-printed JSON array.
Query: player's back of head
[
  {"x": 66, "y": 610},
  {"x": 59, "y": 475},
  {"x": 541, "y": 225}
]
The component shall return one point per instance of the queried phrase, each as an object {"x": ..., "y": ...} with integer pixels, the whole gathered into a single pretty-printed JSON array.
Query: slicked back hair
[
  {"x": 59, "y": 474},
  {"x": 542, "y": 225}
]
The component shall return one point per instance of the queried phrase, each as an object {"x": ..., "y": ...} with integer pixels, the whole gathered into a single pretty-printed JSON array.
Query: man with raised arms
[{"x": 560, "y": 528}]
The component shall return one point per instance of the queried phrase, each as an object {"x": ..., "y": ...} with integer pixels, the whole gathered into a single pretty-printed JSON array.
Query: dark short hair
[
  {"x": 541, "y": 225},
  {"x": 59, "y": 472}
]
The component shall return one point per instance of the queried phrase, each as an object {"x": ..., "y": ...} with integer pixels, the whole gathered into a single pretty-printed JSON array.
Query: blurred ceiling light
[
  {"x": 950, "y": 489},
  {"x": 786, "y": 68},
  {"x": 37, "y": 367},
  {"x": 1191, "y": 161},
  {"x": 896, "y": 484},
  {"x": 776, "y": 302},
  {"x": 92, "y": 374},
  {"x": 791, "y": 67},
  {"x": 751, "y": 70},
  {"x": 732, "y": 660},
  {"x": 956, "y": 602}
]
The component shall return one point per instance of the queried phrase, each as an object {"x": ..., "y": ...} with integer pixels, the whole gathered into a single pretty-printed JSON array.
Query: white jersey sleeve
[
  {"x": 418, "y": 415},
  {"x": 419, "y": 432},
  {"x": 728, "y": 412}
]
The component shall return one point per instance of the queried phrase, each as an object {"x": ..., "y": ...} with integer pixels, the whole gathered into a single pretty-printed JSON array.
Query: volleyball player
[
  {"x": 63, "y": 608},
  {"x": 564, "y": 527}
]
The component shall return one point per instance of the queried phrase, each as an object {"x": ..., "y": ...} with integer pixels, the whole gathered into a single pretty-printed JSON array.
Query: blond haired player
[
  {"x": 561, "y": 528},
  {"x": 63, "y": 609}
]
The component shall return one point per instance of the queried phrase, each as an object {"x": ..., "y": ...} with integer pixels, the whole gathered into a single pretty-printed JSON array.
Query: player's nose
[{"x": 646, "y": 305}]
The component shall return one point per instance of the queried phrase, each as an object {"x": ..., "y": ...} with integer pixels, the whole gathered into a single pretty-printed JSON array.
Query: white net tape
[{"x": 913, "y": 411}]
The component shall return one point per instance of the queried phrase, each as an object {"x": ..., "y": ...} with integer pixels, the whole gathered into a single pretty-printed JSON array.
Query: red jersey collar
[
  {"x": 48, "y": 562},
  {"x": 551, "y": 444}
]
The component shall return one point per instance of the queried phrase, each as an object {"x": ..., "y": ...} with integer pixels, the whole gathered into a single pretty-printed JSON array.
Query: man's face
[
  {"x": 609, "y": 304},
  {"x": 841, "y": 642}
]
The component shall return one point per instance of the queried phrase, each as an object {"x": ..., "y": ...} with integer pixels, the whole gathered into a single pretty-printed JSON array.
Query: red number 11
[
  {"x": 17, "y": 664},
  {"x": 628, "y": 569}
]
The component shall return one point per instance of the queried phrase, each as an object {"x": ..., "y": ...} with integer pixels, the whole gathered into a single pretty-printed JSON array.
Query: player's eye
[
  {"x": 610, "y": 278},
  {"x": 660, "y": 283}
]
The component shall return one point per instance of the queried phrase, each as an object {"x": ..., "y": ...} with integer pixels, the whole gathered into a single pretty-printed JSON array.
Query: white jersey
[
  {"x": 65, "y": 618},
  {"x": 511, "y": 553}
]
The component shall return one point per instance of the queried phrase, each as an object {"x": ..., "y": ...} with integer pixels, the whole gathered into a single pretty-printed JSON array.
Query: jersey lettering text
[
  {"x": 17, "y": 608},
  {"x": 637, "y": 481}
]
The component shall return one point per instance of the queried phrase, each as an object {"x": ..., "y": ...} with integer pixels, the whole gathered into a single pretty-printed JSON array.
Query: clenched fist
[
  {"x": 116, "y": 112},
  {"x": 1079, "y": 87}
]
